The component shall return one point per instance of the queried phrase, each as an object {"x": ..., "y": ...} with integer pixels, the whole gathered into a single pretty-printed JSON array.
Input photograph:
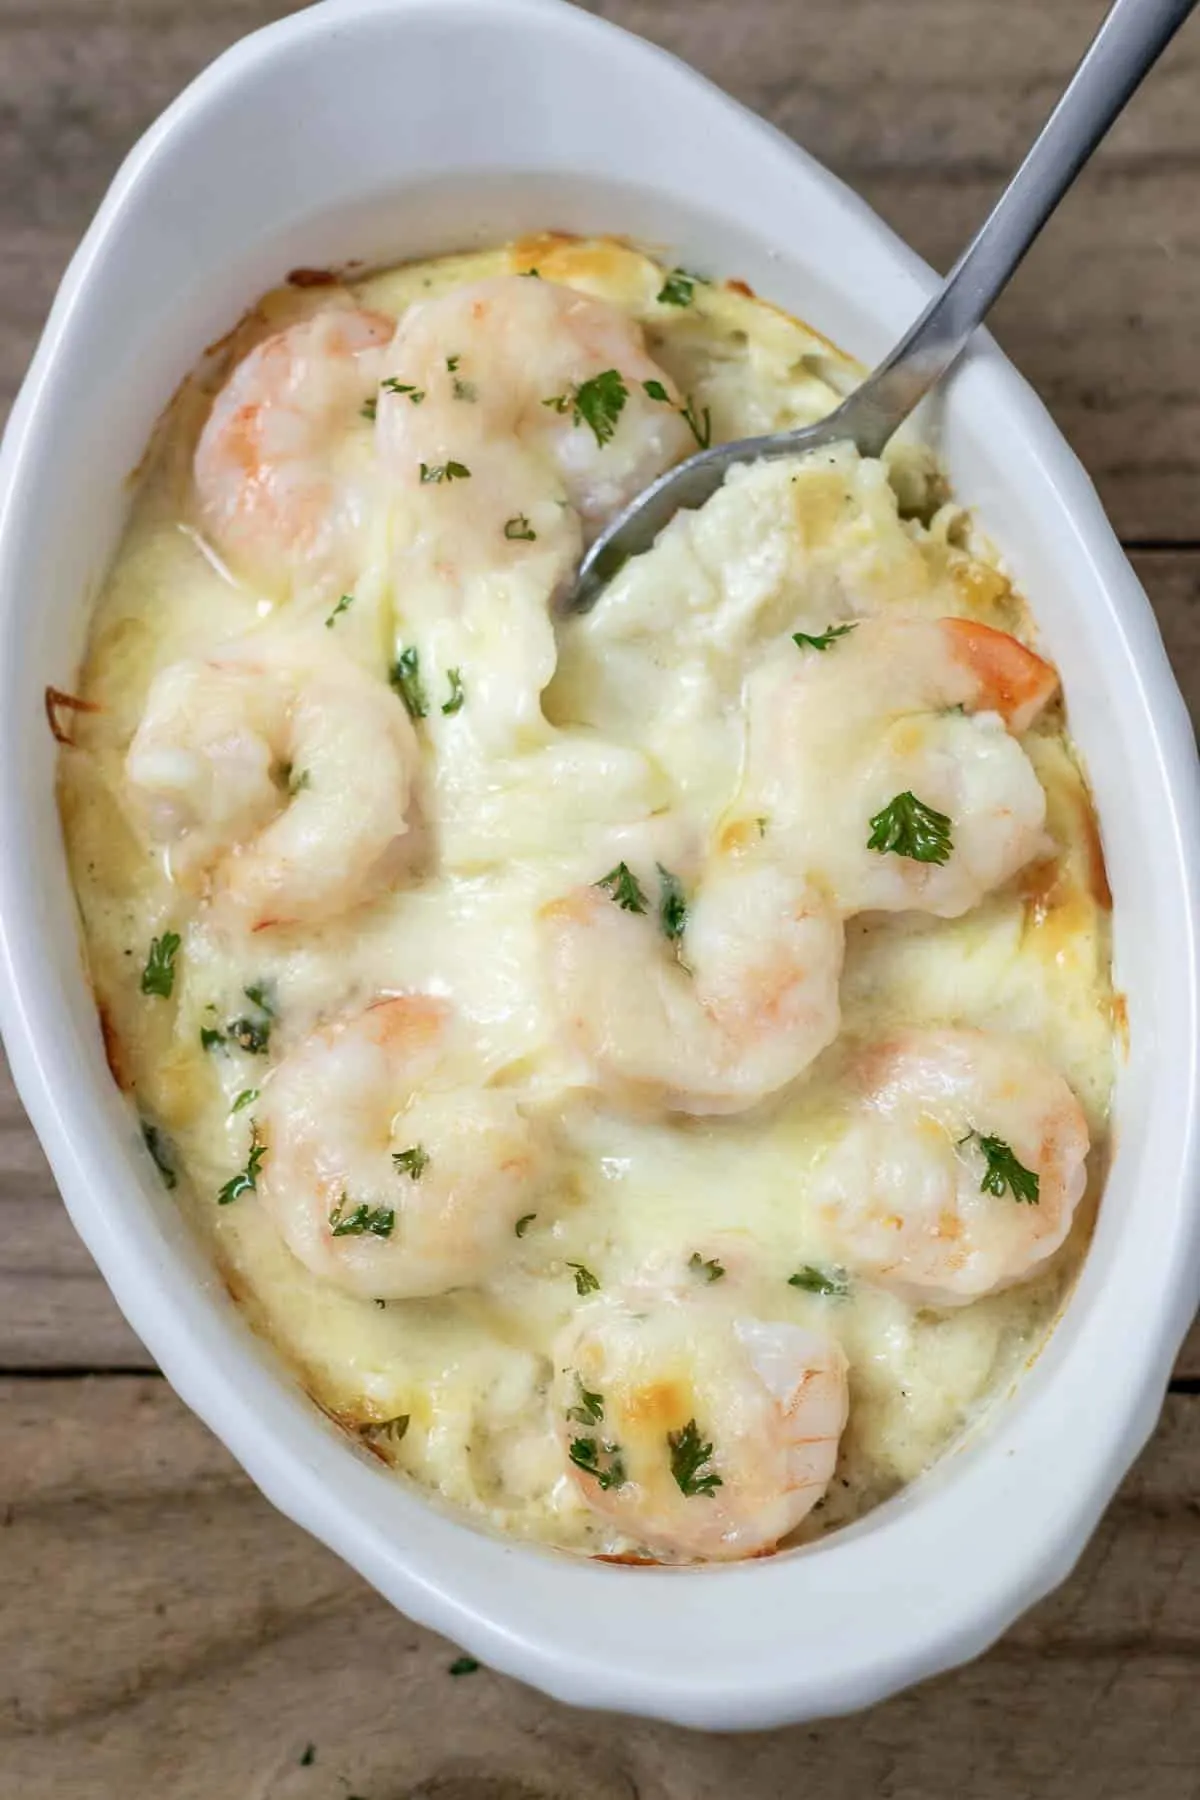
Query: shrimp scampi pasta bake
[{"x": 646, "y": 1073}]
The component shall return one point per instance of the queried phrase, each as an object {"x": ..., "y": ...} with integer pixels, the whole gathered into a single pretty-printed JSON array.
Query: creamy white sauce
[{"x": 636, "y": 751}]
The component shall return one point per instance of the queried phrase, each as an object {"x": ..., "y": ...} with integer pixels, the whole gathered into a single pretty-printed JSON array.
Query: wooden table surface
[{"x": 162, "y": 1631}]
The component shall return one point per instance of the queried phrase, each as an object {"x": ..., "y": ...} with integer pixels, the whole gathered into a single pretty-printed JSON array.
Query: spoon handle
[{"x": 1132, "y": 37}]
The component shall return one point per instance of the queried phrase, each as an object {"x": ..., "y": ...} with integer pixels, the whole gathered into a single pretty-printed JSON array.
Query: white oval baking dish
[{"x": 381, "y": 129}]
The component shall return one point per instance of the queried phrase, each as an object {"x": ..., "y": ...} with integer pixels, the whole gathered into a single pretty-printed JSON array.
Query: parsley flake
[
  {"x": 597, "y": 403},
  {"x": 700, "y": 422},
  {"x": 589, "y": 1409},
  {"x": 447, "y": 471},
  {"x": 246, "y": 1180},
  {"x": 343, "y": 605},
  {"x": 251, "y": 1035},
  {"x": 309, "y": 1757},
  {"x": 709, "y": 1267},
  {"x": 361, "y": 1220},
  {"x": 519, "y": 530},
  {"x": 804, "y": 640},
  {"x": 413, "y": 1161},
  {"x": 457, "y": 692},
  {"x": 296, "y": 784},
  {"x": 158, "y": 976},
  {"x": 585, "y": 1281},
  {"x": 452, "y": 363},
  {"x": 161, "y": 1153},
  {"x": 211, "y": 1038},
  {"x": 463, "y": 1665},
  {"x": 262, "y": 995},
  {"x": 1004, "y": 1171},
  {"x": 394, "y": 385},
  {"x": 621, "y": 885},
  {"x": 678, "y": 289},
  {"x": 688, "y": 1455},
  {"x": 405, "y": 678},
  {"x": 656, "y": 391},
  {"x": 672, "y": 907},
  {"x": 394, "y": 1430},
  {"x": 907, "y": 827},
  {"x": 586, "y": 1453},
  {"x": 523, "y": 1223},
  {"x": 832, "y": 1283},
  {"x": 368, "y": 410},
  {"x": 247, "y": 1097}
]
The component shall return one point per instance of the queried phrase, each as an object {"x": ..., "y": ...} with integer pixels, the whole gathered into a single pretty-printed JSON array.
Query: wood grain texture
[{"x": 164, "y": 1632}]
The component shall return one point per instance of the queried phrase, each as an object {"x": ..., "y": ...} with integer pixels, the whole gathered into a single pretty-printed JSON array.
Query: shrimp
[
  {"x": 279, "y": 775},
  {"x": 282, "y": 468},
  {"x": 500, "y": 366},
  {"x": 715, "y": 1019},
  {"x": 887, "y": 763},
  {"x": 698, "y": 1432},
  {"x": 959, "y": 1169},
  {"x": 390, "y": 1171}
]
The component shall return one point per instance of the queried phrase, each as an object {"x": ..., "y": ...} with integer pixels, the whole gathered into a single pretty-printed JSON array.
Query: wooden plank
[
  {"x": 55, "y": 1311},
  {"x": 924, "y": 120},
  {"x": 164, "y": 1631}
]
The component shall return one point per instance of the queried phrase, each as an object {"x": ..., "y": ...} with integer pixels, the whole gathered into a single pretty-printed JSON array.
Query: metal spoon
[{"x": 1130, "y": 40}]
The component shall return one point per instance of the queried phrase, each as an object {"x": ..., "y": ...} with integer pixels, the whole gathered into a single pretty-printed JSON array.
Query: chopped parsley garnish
[
  {"x": 1004, "y": 1171},
  {"x": 688, "y": 1456},
  {"x": 621, "y": 885},
  {"x": 211, "y": 1038},
  {"x": 251, "y": 1035},
  {"x": 805, "y": 640},
  {"x": 161, "y": 1154},
  {"x": 343, "y": 605},
  {"x": 262, "y": 995},
  {"x": 586, "y": 1453},
  {"x": 457, "y": 692},
  {"x": 247, "y": 1097},
  {"x": 246, "y": 1180},
  {"x": 405, "y": 678},
  {"x": 309, "y": 1757},
  {"x": 447, "y": 471},
  {"x": 465, "y": 390},
  {"x": 523, "y": 1223},
  {"x": 362, "y": 1220},
  {"x": 597, "y": 403},
  {"x": 392, "y": 1429},
  {"x": 463, "y": 1665},
  {"x": 295, "y": 784},
  {"x": 535, "y": 273},
  {"x": 519, "y": 530},
  {"x": 158, "y": 976},
  {"x": 678, "y": 289},
  {"x": 589, "y": 1409},
  {"x": 672, "y": 907},
  {"x": 709, "y": 1267},
  {"x": 700, "y": 422},
  {"x": 831, "y": 1282},
  {"x": 452, "y": 363},
  {"x": 368, "y": 409},
  {"x": 413, "y": 1161},
  {"x": 657, "y": 391},
  {"x": 585, "y": 1281},
  {"x": 394, "y": 385},
  {"x": 907, "y": 827}
]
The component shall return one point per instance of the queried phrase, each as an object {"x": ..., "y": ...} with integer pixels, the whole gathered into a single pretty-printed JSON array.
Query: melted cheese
[{"x": 639, "y": 733}]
